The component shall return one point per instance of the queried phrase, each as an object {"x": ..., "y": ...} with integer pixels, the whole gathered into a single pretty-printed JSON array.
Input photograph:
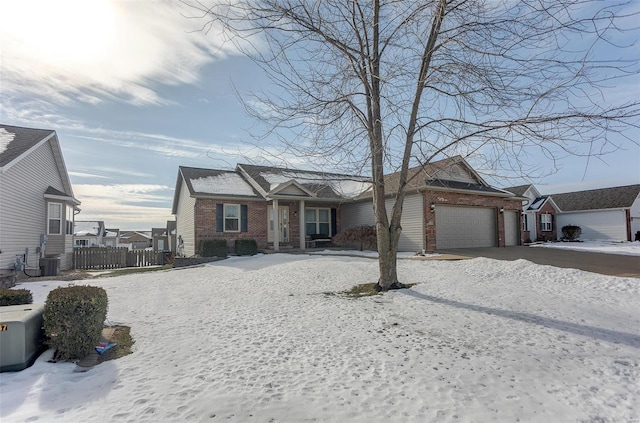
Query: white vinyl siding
[
  {"x": 465, "y": 227},
  {"x": 23, "y": 208},
  {"x": 510, "y": 228},
  {"x": 185, "y": 226},
  {"x": 412, "y": 221},
  {"x": 606, "y": 224}
]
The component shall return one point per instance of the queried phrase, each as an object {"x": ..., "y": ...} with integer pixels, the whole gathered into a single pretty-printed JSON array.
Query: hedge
[
  {"x": 15, "y": 297},
  {"x": 246, "y": 247},
  {"x": 214, "y": 248},
  {"x": 73, "y": 320}
]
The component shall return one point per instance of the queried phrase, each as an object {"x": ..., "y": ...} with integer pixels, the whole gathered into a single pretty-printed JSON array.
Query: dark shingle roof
[
  {"x": 23, "y": 140},
  {"x": 519, "y": 190},
  {"x": 597, "y": 199},
  {"x": 242, "y": 189},
  {"x": 483, "y": 189}
]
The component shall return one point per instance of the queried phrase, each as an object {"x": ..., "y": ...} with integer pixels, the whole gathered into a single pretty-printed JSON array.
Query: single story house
[
  {"x": 89, "y": 233},
  {"x": 607, "y": 213},
  {"x": 37, "y": 205},
  {"x": 136, "y": 240},
  {"x": 448, "y": 205}
]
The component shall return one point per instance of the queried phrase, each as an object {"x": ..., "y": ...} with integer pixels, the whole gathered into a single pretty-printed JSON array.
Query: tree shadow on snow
[{"x": 608, "y": 335}]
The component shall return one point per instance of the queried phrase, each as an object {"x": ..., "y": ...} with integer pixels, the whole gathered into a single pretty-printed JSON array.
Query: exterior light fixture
[
  {"x": 433, "y": 207},
  {"x": 501, "y": 210}
]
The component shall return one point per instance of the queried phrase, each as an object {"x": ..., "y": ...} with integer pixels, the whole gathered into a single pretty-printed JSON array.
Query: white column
[
  {"x": 276, "y": 226},
  {"x": 303, "y": 244}
]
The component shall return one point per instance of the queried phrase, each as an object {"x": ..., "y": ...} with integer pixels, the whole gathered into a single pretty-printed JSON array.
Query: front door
[{"x": 283, "y": 223}]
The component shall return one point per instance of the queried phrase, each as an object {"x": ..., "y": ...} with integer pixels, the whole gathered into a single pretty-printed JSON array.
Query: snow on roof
[
  {"x": 224, "y": 183},
  {"x": 344, "y": 185},
  {"x": 5, "y": 138}
]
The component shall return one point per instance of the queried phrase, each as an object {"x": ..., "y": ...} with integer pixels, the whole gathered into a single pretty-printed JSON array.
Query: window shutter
[
  {"x": 244, "y": 218},
  {"x": 334, "y": 222},
  {"x": 219, "y": 218},
  {"x": 553, "y": 221},
  {"x": 541, "y": 224}
]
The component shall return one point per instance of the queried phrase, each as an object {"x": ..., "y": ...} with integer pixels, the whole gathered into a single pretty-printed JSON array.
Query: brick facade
[
  {"x": 257, "y": 219},
  {"x": 462, "y": 199},
  {"x": 547, "y": 235}
]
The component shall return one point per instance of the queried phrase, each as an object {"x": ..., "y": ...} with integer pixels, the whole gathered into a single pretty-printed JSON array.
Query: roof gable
[
  {"x": 321, "y": 185},
  {"x": 18, "y": 142},
  {"x": 598, "y": 199}
]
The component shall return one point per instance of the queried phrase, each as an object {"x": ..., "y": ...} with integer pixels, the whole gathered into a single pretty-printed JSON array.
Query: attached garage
[
  {"x": 465, "y": 227},
  {"x": 412, "y": 221},
  {"x": 605, "y": 224},
  {"x": 511, "y": 228}
]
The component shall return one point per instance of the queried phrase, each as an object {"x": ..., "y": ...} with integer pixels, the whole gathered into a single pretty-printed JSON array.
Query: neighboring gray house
[
  {"x": 160, "y": 239},
  {"x": 171, "y": 235},
  {"x": 136, "y": 240},
  {"x": 89, "y": 233},
  {"x": 37, "y": 205},
  {"x": 607, "y": 213},
  {"x": 111, "y": 237}
]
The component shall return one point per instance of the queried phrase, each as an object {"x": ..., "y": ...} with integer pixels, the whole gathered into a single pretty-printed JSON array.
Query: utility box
[
  {"x": 21, "y": 336},
  {"x": 49, "y": 266}
]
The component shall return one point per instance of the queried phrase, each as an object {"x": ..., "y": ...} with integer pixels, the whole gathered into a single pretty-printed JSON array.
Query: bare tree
[{"x": 393, "y": 83}]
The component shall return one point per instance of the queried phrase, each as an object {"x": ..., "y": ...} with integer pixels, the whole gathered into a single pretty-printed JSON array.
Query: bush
[
  {"x": 73, "y": 320},
  {"x": 214, "y": 248},
  {"x": 246, "y": 247},
  {"x": 571, "y": 232},
  {"x": 360, "y": 237},
  {"x": 15, "y": 297}
]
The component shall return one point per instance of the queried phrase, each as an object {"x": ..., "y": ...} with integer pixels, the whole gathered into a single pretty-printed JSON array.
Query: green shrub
[
  {"x": 571, "y": 232},
  {"x": 359, "y": 237},
  {"x": 214, "y": 248},
  {"x": 15, "y": 297},
  {"x": 246, "y": 247},
  {"x": 73, "y": 320}
]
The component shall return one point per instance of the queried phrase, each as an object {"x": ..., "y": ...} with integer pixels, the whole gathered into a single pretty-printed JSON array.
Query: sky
[{"x": 134, "y": 90}]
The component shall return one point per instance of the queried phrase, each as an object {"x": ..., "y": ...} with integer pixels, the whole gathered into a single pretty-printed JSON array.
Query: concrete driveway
[{"x": 605, "y": 264}]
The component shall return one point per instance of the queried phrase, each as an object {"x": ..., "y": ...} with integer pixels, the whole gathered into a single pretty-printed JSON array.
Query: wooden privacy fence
[{"x": 115, "y": 258}]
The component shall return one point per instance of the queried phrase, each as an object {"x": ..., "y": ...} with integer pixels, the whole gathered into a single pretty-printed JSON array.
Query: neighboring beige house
[
  {"x": 136, "y": 240},
  {"x": 37, "y": 205},
  {"x": 89, "y": 233}
]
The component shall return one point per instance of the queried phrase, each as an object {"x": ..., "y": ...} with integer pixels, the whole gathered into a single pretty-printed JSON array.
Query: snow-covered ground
[
  {"x": 608, "y": 247},
  {"x": 256, "y": 339}
]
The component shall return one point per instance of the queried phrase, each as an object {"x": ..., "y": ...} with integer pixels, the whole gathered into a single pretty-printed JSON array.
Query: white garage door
[
  {"x": 596, "y": 225},
  {"x": 465, "y": 227},
  {"x": 511, "y": 228}
]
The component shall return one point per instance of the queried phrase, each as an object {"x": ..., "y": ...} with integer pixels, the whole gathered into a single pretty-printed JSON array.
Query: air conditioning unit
[{"x": 21, "y": 336}]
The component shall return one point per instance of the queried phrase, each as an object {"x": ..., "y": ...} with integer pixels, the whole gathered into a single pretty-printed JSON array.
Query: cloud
[
  {"x": 125, "y": 206},
  {"x": 88, "y": 51}
]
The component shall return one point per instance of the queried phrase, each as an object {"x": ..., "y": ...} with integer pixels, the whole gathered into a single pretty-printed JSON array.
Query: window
[
  {"x": 525, "y": 222},
  {"x": 54, "y": 219},
  {"x": 546, "y": 222},
  {"x": 81, "y": 242},
  {"x": 231, "y": 218},
  {"x": 69, "y": 221},
  {"x": 317, "y": 221}
]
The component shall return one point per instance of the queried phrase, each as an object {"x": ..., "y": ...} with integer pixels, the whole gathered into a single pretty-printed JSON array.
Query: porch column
[
  {"x": 303, "y": 244},
  {"x": 276, "y": 226}
]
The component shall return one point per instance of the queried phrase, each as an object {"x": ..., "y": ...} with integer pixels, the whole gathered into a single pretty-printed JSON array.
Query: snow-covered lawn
[
  {"x": 257, "y": 340},
  {"x": 608, "y": 247}
]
